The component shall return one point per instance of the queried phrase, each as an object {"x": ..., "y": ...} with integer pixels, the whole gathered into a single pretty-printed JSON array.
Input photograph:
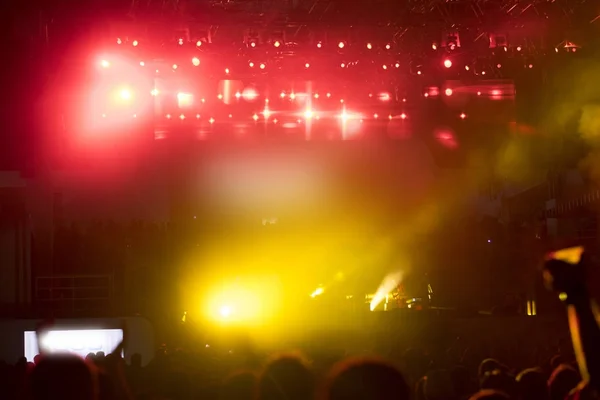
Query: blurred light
[
  {"x": 197, "y": 116},
  {"x": 230, "y": 115},
  {"x": 397, "y": 65},
  {"x": 319, "y": 45},
  {"x": 225, "y": 311},
  {"x": 185, "y": 100},
  {"x": 104, "y": 63},
  {"x": 168, "y": 116},
  {"x": 418, "y": 72},
  {"x": 142, "y": 63},
  {"x": 341, "y": 45},
  {"x": 375, "y": 116},
  {"x": 119, "y": 41},
  {"x": 328, "y": 94},
  {"x": 174, "y": 66},
  {"x": 448, "y": 92},
  {"x": 211, "y": 120},
  {"x": 308, "y": 114},
  {"x": 275, "y": 121},
  {"x": 385, "y": 67},
  {"x": 434, "y": 46},
  {"x": 198, "y": 43},
  {"x": 498, "y": 65},
  {"x": 344, "y": 116},
  {"x": 307, "y": 65},
  {"x": 182, "y": 117},
  {"x": 447, "y": 63},
  {"x": 277, "y": 43},
  {"x": 250, "y": 94},
  {"x": 196, "y": 61},
  {"x": 385, "y": 97},
  {"x": 180, "y": 41},
  {"x": 292, "y": 96},
  {"x": 463, "y": 116},
  {"x": 403, "y": 116},
  {"x": 252, "y": 44},
  {"x": 518, "y": 48},
  {"x": 482, "y": 72},
  {"x": 530, "y": 66},
  {"x": 505, "y": 48},
  {"x": 125, "y": 94},
  {"x": 342, "y": 101},
  {"x": 266, "y": 113},
  {"x": 135, "y": 43},
  {"x": 390, "y": 117},
  {"x": 388, "y": 46},
  {"x": 316, "y": 96},
  {"x": 255, "y": 117},
  {"x": 467, "y": 68},
  {"x": 282, "y": 95},
  {"x": 478, "y": 93},
  {"x": 425, "y": 94},
  {"x": 369, "y": 46},
  {"x": 238, "y": 95},
  {"x": 103, "y": 115},
  {"x": 319, "y": 291},
  {"x": 262, "y": 66},
  {"x": 220, "y": 96},
  {"x": 251, "y": 64},
  {"x": 227, "y": 71},
  {"x": 342, "y": 65}
]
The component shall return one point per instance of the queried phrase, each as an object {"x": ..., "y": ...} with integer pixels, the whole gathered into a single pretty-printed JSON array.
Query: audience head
[
  {"x": 498, "y": 380},
  {"x": 366, "y": 379},
  {"x": 239, "y": 386},
  {"x": 564, "y": 379},
  {"x": 531, "y": 385},
  {"x": 488, "y": 394},
  {"x": 63, "y": 376},
  {"x": 286, "y": 377}
]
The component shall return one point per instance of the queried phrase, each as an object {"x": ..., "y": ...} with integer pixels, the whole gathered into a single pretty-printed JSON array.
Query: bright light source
[
  {"x": 448, "y": 92},
  {"x": 277, "y": 43},
  {"x": 375, "y": 116},
  {"x": 403, "y": 116},
  {"x": 180, "y": 41},
  {"x": 319, "y": 291},
  {"x": 530, "y": 66},
  {"x": 104, "y": 63},
  {"x": 142, "y": 63},
  {"x": 447, "y": 63},
  {"x": 135, "y": 43},
  {"x": 238, "y": 95},
  {"x": 434, "y": 46},
  {"x": 125, "y": 94},
  {"x": 463, "y": 116},
  {"x": 175, "y": 66},
  {"x": 328, "y": 94},
  {"x": 343, "y": 65},
  {"x": 185, "y": 100},
  {"x": 119, "y": 41},
  {"x": 467, "y": 68},
  {"x": 369, "y": 46},
  {"x": 478, "y": 93},
  {"x": 227, "y": 71},
  {"x": 211, "y": 120},
  {"x": 168, "y": 116},
  {"x": 307, "y": 65},
  {"x": 319, "y": 45},
  {"x": 341, "y": 45},
  {"x": 255, "y": 117},
  {"x": 182, "y": 117},
  {"x": 418, "y": 72},
  {"x": 250, "y": 94},
  {"x": 262, "y": 66},
  {"x": 293, "y": 96},
  {"x": 518, "y": 48},
  {"x": 225, "y": 311},
  {"x": 282, "y": 95},
  {"x": 385, "y": 96},
  {"x": 344, "y": 116},
  {"x": 498, "y": 66},
  {"x": 385, "y": 67},
  {"x": 154, "y": 92},
  {"x": 316, "y": 96},
  {"x": 196, "y": 61},
  {"x": 220, "y": 96},
  {"x": 397, "y": 65},
  {"x": 251, "y": 64},
  {"x": 199, "y": 43},
  {"x": 266, "y": 113},
  {"x": 388, "y": 46},
  {"x": 308, "y": 114}
]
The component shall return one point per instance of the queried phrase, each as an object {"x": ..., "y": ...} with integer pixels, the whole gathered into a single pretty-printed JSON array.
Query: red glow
[
  {"x": 385, "y": 97},
  {"x": 174, "y": 66},
  {"x": 418, "y": 72},
  {"x": 518, "y": 48},
  {"x": 341, "y": 45},
  {"x": 463, "y": 116},
  {"x": 142, "y": 63},
  {"x": 448, "y": 92},
  {"x": 385, "y": 67},
  {"x": 196, "y": 61},
  {"x": 446, "y": 138},
  {"x": 277, "y": 43},
  {"x": 342, "y": 65},
  {"x": 180, "y": 41},
  {"x": 308, "y": 114},
  {"x": 262, "y": 66},
  {"x": 135, "y": 43},
  {"x": 434, "y": 46},
  {"x": 227, "y": 70},
  {"x": 447, "y": 63},
  {"x": 369, "y": 46}
]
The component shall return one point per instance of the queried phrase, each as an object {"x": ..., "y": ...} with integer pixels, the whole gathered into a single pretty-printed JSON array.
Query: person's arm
[{"x": 568, "y": 280}]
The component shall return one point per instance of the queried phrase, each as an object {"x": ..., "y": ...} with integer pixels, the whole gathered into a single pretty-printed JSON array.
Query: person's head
[
  {"x": 63, "y": 376},
  {"x": 531, "y": 385},
  {"x": 286, "y": 377},
  {"x": 366, "y": 379},
  {"x": 562, "y": 381},
  {"x": 239, "y": 386},
  {"x": 498, "y": 380},
  {"x": 462, "y": 382},
  {"x": 438, "y": 385},
  {"x": 488, "y": 394},
  {"x": 488, "y": 365}
]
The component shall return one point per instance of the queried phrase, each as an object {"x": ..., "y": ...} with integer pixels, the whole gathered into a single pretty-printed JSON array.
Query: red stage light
[
  {"x": 266, "y": 113},
  {"x": 251, "y": 64},
  {"x": 498, "y": 65},
  {"x": 262, "y": 66},
  {"x": 250, "y": 94},
  {"x": 119, "y": 41},
  {"x": 341, "y": 45},
  {"x": 135, "y": 43},
  {"x": 467, "y": 68},
  {"x": 418, "y": 72},
  {"x": 255, "y": 117},
  {"x": 397, "y": 65},
  {"x": 342, "y": 65},
  {"x": 238, "y": 95},
  {"x": 211, "y": 120},
  {"x": 448, "y": 92},
  {"x": 403, "y": 116},
  {"x": 142, "y": 63},
  {"x": 385, "y": 67},
  {"x": 104, "y": 63},
  {"x": 185, "y": 100},
  {"x": 198, "y": 43},
  {"x": 385, "y": 97},
  {"x": 227, "y": 71},
  {"x": 316, "y": 96},
  {"x": 388, "y": 46},
  {"x": 518, "y": 48},
  {"x": 434, "y": 46},
  {"x": 174, "y": 66},
  {"x": 277, "y": 43},
  {"x": 252, "y": 44},
  {"x": 307, "y": 65},
  {"x": 447, "y": 63},
  {"x": 125, "y": 94},
  {"x": 369, "y": 46},
  {"x": 154, "y": 92},
  {"x": 180, "y": 41},
  {"x": 463, "y": 116},
  {"x": 308, "y": 114},
  {"x": 319, "y": 45},
  {"x": 196, "y": 61}
]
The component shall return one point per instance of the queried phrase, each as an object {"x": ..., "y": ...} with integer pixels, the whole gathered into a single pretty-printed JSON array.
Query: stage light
[
  {"x": 103, "y": 115},
  {"x": 197, "y": 116},
  {"x": 142, "y": 64},
  {"x": 168, "y": 116},
  {"x": 369, "y": 46},
  {"x": 390, "y": 117},
  {"x": 255, "y": 117},
  {"x": 292, "y": 96},
  {"x": 344, "y": 116},
  {"x": 403, "y": 116},
  {"x": 277, "y": 43},
  {"x": 275, "y": 121},
  {"x": 307, "y": 65},
  {"x": 175, "y": 66},
  {"x": 105, "y": 63},
  {"x": 388, "y": 46},
  {"x": 316, "y": 96},
  {"x": 220, "y": 96},
  {"x": 154, "y": 92},
  {"x": 478, "y": 93},
  {"x": 282, "y": 95},
  {"x": 397, "y": 65},
  {"x": 319, "y": 45},
  {"x": 252, "y": 44},
  {"x": 196, "y": 61},
  {"x": 375, "y": 116},
  {"x": 308, "y": 114},
  {"x": 125, "y": 94},
  {"x": 250, "y": 94},
  {"x": 119, "y": 41},
  {"x": 211, "y": 120},
  {"x": 198, "y": 43},
  {"x": 238, "y": 95},
  {"x": 530, "y": 66},
  {"x": 498, "y": 66},
  {"x": 266, "y": 113},
  {"x": 262, "y": 66},
  {"x": 227, "y": 71},
  {"x": 467, "y": 68},
  {"x": 463, "y": 116},
  {"x": 225, "y": 311},
  {"x": 482, "y": 72},
  {"x": 180, "y": 41},
  {"x": 342, "y": 101},
  {"x": 385, "y": 67},
  {"x": 328, "y": 95},
  {"x": 230, "y": 115},
  {"x": 434, "y": 46},
  {"x": 447, "y": 63},
  {"x": 251, "y": 64},
  {"x": 418, "y": 72},
  {"x": 135, "y": 43},
  {"x": 182, "y": 117},
  {"x": 448, "y": 92},
  {"x": 185, "y": 100},
  {"x": 425, "y": 94},
  {"x": 385, "y": 97},
  {"x": 341, "y": 45},
  {"x": 518, "y": 48}
]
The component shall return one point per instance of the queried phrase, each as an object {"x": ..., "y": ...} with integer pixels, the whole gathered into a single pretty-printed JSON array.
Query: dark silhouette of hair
[
  {"x": 564, "y": 379},
  {"x": 286, "y": 377},
  {"x": 489, "y": 395},
  {"x": 488, "y": 365},
  {"x": 239, "y": 386},
  {"x": 65, "y": 377},
  {"x": 498, "y": 380},
  {"x": 366, "y": 379},
  {"x": 531, "y": 385}
]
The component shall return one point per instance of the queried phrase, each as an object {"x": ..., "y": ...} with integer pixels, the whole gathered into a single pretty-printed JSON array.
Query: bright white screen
[{"x": 81, "y": 342}]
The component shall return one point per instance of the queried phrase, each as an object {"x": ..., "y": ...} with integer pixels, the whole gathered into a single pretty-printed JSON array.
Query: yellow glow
[{"x": 317, "y": 292}]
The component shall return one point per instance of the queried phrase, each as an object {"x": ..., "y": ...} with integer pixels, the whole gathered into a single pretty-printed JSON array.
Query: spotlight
[
  {"x": 463, "y": 116},
  {"x": 252, "y": 44},
  {"x": 251, "y": 64},
  {"x": 125, "y": 94},
  {"x": 447, "y": 63},
  {"x": 403, "y": 116},
  {"x": 369, "y": 46},
  {"x": 196, "y": 61},
  {"x": 388, "y": 46},
  {"x": 255, "y": 117},
  {"x": 135, "y": 43},
  {"x": 174, "y": 66},
  {"x": 434, "y": 46},
  {"x": 277, "y": 43},
  {"x": 448, "y": 92},
  {"x": 198, "y": 43},
  {"x": 308, "y": 114},
  {"x": 307, "y": 65},
  {"x": 341, "y": 45},
  {"x": 180, "y": 41},
  {"x": 262, "y": 66},
  {"x": 104, "y": 63},
  {"x": 142, "y": 63},
  {"x": 319, "y": 45}
]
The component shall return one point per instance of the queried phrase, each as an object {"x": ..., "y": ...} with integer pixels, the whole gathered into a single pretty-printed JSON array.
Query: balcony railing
[{"x": 75, "y": 293}]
